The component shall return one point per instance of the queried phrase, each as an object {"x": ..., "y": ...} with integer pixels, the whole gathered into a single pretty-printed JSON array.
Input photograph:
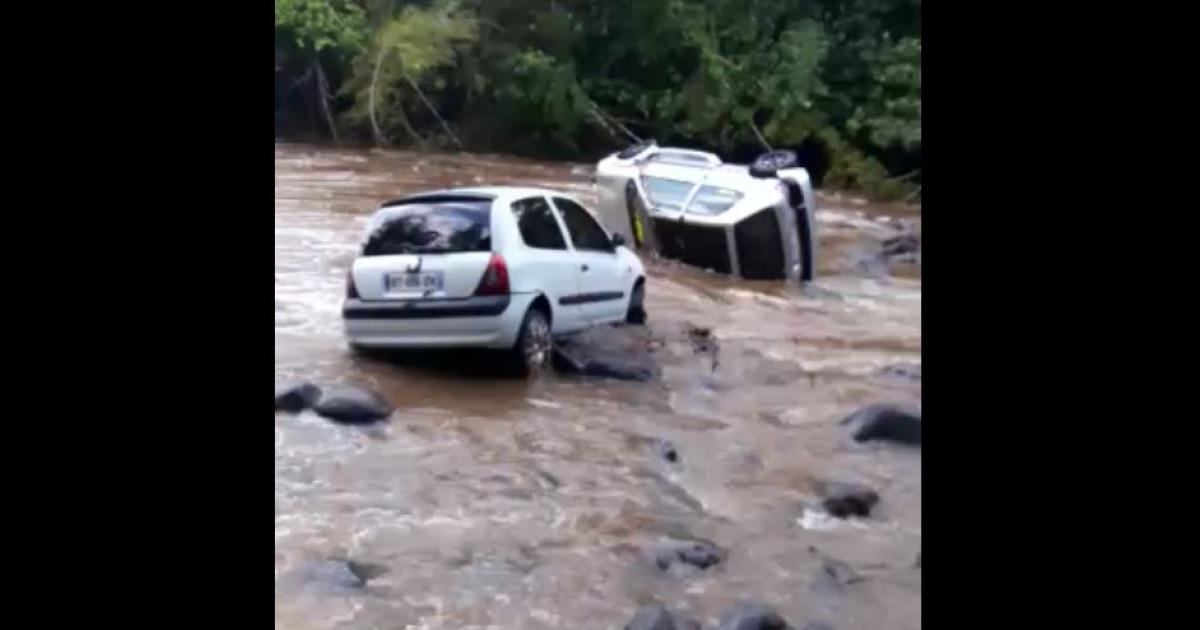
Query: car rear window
[
  {"x": 667, "y": 193},
  {"x": 713, "y": 200},
  {"x": 431, "y": 228}
]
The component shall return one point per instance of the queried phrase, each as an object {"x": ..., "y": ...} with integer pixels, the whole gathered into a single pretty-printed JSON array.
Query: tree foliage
[{"x": 579, "y": 77}]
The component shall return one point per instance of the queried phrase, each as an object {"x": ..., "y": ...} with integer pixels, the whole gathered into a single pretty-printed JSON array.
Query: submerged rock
[
  {"x": 903, "y": 371},
  {"x": 352, "y": 405},
  {"x": 666, "y": 450},
  {"x": 339, "y": 575},
  {"x": 889, "y": 423},
  {"x": 833, "y": 575},
  {"x": 296, "y": 397},
  {"x": 653, "y": 617},
  {"x": 837, "y": 574},
  {"x": 905, "y": 245},
  {"x": 617, "y": 353},
  {"x": 699, "y": 554},
  {"x": 843, "y": 500},
  {"x": 752, "y": 616}
]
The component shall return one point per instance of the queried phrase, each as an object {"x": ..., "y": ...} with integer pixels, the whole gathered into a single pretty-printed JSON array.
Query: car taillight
[
  {"x": 351, "y": 290},
  {"x": 495, "y": 277}
]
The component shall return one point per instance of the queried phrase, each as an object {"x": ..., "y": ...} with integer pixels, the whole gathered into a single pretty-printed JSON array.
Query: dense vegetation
[{"x": 837, "y": 80}]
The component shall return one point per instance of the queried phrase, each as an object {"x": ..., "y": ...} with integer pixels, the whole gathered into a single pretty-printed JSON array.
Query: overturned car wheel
[
  {"x": 767, "y": 164},
  {"x": 633, "y": 150}
]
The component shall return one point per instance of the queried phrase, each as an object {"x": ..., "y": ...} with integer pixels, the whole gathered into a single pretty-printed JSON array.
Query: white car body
[
  {"x": 763, "y": 226},
  {"x": 580, "y": 287}
]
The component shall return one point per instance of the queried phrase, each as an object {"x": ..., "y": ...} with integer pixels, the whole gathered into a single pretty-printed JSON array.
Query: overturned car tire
[{"x": 767, "y": 164}]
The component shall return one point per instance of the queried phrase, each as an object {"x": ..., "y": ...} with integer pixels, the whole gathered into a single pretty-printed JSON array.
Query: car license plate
[{"x": 414, "y": 282}]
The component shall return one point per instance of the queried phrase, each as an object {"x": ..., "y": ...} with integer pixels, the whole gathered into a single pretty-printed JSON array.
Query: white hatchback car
[{"x": 498, "y": 267}]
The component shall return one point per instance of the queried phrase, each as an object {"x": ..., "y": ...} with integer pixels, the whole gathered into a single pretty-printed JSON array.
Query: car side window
[
  {"x": 536, "y": 221},
  {"x": 585, "y": 232}
]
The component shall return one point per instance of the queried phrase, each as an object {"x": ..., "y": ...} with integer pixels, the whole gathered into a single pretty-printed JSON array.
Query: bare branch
[
  {"x": 433, "y": 110},
  {"x": 323, "y": 100},
  {"x": 380, "y": 140},
  {"x": 758, "y": 134}
]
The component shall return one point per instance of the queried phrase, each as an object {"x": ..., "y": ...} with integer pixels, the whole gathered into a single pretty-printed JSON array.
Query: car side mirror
[{"x": 618, "y": 241}]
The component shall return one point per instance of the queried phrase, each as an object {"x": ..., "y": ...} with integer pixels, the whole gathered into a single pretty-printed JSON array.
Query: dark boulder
[
  {"x": 666, "y": 450},
  {"x": 752, "y": 616},
  {"x": 902, "y": 371},
  {"x": 699, "y": 554},
  {"x": 903, "y": 245},
  {"x": 616, "y": 353},
  {"x": 844, "y": 500},
  {"x": 296, "y": 397},
  {"x": 889, "y": 423},
  {"x": 338, "y": 575},
  {"x": 352, "y": 405}
]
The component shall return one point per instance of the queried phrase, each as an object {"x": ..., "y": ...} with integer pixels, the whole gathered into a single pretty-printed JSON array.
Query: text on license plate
[{"x": 418, "y": 281}]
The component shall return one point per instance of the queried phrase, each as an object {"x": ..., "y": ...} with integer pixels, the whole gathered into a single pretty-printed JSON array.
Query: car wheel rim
[{"x": 537, "y": 343}]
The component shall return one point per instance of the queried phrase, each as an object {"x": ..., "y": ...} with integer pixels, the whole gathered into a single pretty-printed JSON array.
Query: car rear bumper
[
  {"x": 476, "y": 322},
  {"x": 484, "y": 306}
]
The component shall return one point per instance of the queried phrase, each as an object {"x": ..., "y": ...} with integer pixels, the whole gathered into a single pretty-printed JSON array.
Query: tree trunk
[
  {"x": 380, "y": 140},
  {"x": 323, "y": 100},
  {"x": 433, "y": 110}
]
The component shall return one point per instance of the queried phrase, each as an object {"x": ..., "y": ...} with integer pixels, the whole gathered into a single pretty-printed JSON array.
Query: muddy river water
[{"x": 489, "y": 502}]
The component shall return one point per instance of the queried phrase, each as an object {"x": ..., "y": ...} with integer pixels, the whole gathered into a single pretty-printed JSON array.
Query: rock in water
[
  {"x": 338, "y": 575},
  {"x": 352, "y": 405},
  {"x": 889, "y": 423},
  {"x": 844, "y": 500},
  {"x": 653, "y": 617},
  {"x": 699, "y": 554},
  {"x": 666, "y": 450},
  {"x": 617, "y": 353},
  {"x": 752, "y": 616},
  {"x": 296, "y": 397}
]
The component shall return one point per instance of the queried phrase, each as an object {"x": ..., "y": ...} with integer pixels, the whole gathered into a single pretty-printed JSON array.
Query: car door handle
[{"x": 583, "y": 267}]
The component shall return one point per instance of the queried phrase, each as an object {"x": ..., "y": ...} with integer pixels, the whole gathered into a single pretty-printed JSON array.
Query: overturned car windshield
[
  {"x": 431, "y": 228},
  {"x": 667, "y": 193},
  {"x": 713, "y": 200}
]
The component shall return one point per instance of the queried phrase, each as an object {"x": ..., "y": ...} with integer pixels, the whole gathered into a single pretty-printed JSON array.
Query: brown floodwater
[{"x": 489, "y": 502}]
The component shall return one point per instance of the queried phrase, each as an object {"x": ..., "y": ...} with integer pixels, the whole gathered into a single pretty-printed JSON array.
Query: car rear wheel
[
  {"x": 534, "y": 347},
  {"x": 637, "y": 305}
]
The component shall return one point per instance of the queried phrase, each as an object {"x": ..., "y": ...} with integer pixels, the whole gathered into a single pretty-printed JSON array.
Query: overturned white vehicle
[{"x": 755, "y": 222}]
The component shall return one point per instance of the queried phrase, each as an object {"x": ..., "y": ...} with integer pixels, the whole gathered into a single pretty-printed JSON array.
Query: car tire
[
  {"x": 535, "y": 346},
  {"x": 637, "y": 305},
  {"x": 768, "y": 164},
  {"x": 364, "y": 352},
  {"x": 633, "y": 150}
]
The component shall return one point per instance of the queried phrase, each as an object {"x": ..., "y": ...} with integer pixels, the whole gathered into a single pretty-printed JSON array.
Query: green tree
[
  {"x": 404, "y": 51},
  {"x": 312, "y": 33}
]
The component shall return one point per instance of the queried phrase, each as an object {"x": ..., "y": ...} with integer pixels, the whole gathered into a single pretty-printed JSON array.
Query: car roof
[{"x": 485, "y": 192}]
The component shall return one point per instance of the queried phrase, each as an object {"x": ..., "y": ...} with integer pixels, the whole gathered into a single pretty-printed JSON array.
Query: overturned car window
[
  {"x": 667, "y": 193},
  {"x": 431, "y": 228},
  {"x": 713, "y": 200}
]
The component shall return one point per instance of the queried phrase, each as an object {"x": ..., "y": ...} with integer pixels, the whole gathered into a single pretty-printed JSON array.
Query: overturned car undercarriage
[{"x": 754, "y": 222}]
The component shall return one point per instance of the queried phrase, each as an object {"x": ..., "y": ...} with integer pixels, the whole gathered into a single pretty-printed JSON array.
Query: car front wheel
[{"x": 637, "y": 305}]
